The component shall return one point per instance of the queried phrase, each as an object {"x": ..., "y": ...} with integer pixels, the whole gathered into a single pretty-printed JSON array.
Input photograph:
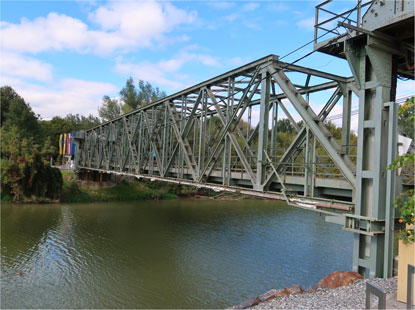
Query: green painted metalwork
[{"x": 195, "y": 137}]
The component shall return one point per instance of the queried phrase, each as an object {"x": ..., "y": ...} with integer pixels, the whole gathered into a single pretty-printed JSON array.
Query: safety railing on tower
[{"x": 326, "y": 21}]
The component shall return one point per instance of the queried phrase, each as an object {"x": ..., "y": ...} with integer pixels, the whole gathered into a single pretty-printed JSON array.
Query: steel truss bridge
[{"x": 197, "y": 136}]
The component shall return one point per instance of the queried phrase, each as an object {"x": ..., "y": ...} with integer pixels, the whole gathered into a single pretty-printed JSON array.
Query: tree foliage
[
  {"x": 16, "y": 112},
  {"x": 79, "y": 122},
  {"x": 135, "y": 97},
  {"x": 406, "y": 117},
  {"x": 25, "y": 172},
  {"x": 109, "y": 109},
  {"x": 405, "y": 202}
]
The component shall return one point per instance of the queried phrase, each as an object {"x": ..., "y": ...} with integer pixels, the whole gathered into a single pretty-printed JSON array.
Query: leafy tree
[
  {"x": 405, "y": 202},
  {"x": 109, "y": 109},
  {"x": 16, "y": 112},
  {"x": 53, "y": 128},
  {"x": 148, "y": 94},
  {"x": 79, "y": 122},
  {"x": 129, "y": 95},
  {"x": 7, "y": 95},
  {"x": 26, "y": 175},
  {"x": 284, "y": 125},
  {"x": 134, "y": 98},
  {"x": 406, "y": 117}
]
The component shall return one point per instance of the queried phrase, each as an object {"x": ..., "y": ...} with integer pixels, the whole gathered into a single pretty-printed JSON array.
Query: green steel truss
[{"x": 196, "y": 136}]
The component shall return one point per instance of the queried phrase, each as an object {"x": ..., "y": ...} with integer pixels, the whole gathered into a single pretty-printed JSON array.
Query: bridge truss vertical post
[
  {"x": 274, "y": 130},
  {"x": 346, "y": 119},
  {"x": 373, "y": 71},
  {"x": 226, "y": 162},
  {"x": 308, "y": 164},
  {"x": 263, "y": 129}
]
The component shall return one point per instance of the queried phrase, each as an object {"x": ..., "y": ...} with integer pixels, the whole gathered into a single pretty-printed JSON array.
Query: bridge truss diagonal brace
[
  {"x": 180, "y": 141},
  {"x": 153, "y": 143},
  {"x": 301, "y": 134},
  {"x": 234, "y": 120},
  {"x": 232, "y": 138},
  {"x": 184, "y": 133},
  {"x": 318, "y": 129},
  {"x": 130, "y": 137}
]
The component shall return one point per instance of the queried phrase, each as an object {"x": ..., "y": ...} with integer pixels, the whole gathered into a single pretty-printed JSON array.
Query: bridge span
[
  {"x": 196, "y": 136},
  {"x": 222, "y": 133}
]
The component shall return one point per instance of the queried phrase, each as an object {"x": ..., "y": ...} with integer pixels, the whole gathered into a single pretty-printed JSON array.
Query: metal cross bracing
[{"x": 206, "y": 135}]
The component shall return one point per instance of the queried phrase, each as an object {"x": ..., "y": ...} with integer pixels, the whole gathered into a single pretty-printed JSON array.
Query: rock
[
  {"x": 268, "y": 295},
  {"x": 339, "y": 278},
  {"x": 250, "y": 302},
  {"x": 295, "y": 289},
  {"x": 311, "y": 289},
  {"x": 282, "y": 293}
]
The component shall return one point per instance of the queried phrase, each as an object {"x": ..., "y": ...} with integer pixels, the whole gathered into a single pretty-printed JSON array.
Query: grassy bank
[{"x": 80, "y": 191}]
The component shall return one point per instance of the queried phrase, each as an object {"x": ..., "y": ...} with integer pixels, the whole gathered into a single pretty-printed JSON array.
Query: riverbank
[
  {"x": 339, "y": 290},
  {"x": 120, "y": 190},
  {"x": 352, "y": 296},
  {"x": 128, "y": 189}
]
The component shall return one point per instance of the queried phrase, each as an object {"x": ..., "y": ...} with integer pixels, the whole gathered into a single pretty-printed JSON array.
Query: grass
[{"x": 122, "y": 191}]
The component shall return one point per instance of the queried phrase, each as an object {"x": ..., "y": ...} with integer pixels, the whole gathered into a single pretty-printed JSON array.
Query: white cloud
[
  {"x": 405, "y": 88},
  {"x": 231, "y": 17},
  {"x": 221, "y": 5},
  {"x": 148, "y": 72},
  {"x": 307, "y": 23},
  {"x": 238, "y": 61},
  {"x": 278, "y": 7},
  {"x": 165, "y": 72},
  {"x": 62, "y": 97},
  {"x": 20, "y": 66},
  {"x": 122, "y": 26},
  {"x": 250, "y": 6}
]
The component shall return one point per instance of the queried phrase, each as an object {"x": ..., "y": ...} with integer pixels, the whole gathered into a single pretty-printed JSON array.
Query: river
[{"x": 162, "y": 254}]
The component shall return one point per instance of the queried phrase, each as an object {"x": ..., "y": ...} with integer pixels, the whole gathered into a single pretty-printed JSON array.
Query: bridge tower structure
[{"x": 378, "y": 44}]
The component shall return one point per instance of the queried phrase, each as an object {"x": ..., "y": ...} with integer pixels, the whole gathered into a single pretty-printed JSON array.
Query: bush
[{"x": 29, "y": 178}]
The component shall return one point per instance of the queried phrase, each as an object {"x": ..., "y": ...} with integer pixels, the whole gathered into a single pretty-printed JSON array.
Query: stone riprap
[{"x": 352, "y": 296}]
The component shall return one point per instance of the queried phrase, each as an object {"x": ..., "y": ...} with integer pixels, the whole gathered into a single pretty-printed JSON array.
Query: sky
[{"x": 64, "y": 56}]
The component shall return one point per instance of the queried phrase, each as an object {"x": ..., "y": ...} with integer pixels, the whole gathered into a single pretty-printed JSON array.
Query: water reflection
[{"x": 162, "y": 254}]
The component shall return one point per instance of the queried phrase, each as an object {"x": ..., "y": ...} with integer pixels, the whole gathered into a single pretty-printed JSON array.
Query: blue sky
[{"x": 63, "y": 56}]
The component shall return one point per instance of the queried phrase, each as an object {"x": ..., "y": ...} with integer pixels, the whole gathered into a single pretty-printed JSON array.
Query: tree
[
  {"x": 16, "y": 112},
  {"x": 129, "y": 96},
  {"x": 134, "y": 98},
  {"x": 26, "y": 175},
  {"x": 79, "y": 122},
  {"x": 148, "y": 94},
  {"x": 405, "y": 202},
  {"x": 109, "y": 109},
  {"x": 284, "y": 125},
  {"x": 406, "y": 117}
]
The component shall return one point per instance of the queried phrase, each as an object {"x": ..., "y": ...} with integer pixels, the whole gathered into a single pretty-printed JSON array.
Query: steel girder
[{"x": 197, "y": 134}]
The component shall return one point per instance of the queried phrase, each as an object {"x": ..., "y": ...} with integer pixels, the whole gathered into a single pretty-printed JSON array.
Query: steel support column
[{"x": 373, "y": 68}]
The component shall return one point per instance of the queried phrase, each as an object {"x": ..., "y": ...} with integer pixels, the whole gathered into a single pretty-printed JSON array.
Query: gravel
[{"x": 352, "y": 296}]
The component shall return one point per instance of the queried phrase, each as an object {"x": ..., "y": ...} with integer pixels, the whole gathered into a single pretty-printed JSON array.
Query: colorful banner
[
  {"x": 66, "y": 144},
  {"x": 60, "y": 144}
]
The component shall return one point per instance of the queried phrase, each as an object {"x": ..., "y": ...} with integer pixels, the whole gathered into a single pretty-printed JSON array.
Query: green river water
[{"x": 162, "y": 254}]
